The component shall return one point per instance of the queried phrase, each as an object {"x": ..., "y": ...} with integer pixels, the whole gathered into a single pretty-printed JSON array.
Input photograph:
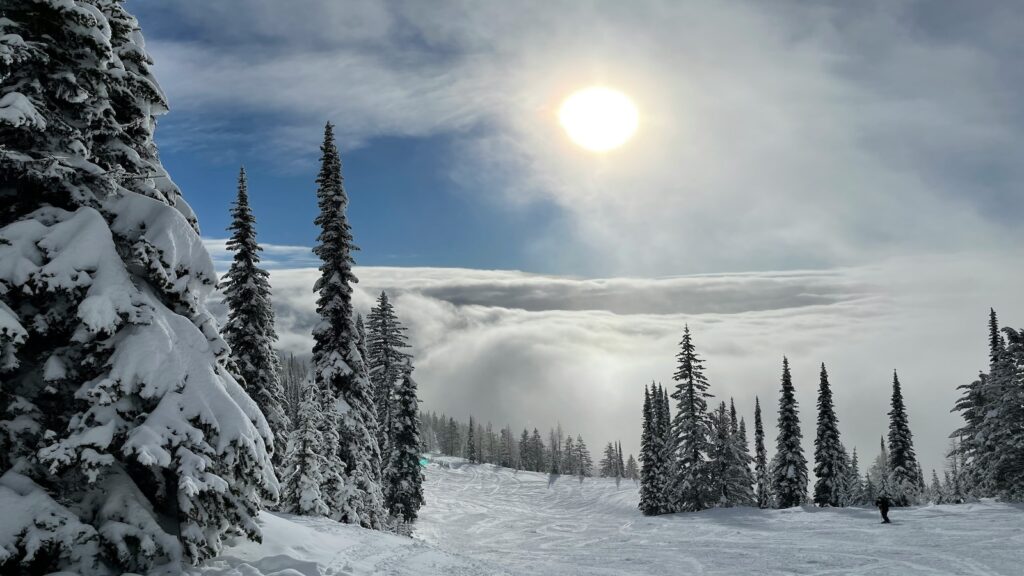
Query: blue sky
[{"x": 404, "y": 210}]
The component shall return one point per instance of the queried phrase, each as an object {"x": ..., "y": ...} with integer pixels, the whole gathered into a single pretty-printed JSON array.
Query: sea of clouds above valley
[{"x": 536, "y": 350}]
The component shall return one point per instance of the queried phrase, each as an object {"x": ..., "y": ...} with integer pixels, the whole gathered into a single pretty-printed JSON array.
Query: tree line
[
  {"x": 693, "y": 457},
  {"x": 562, "y": 454}
]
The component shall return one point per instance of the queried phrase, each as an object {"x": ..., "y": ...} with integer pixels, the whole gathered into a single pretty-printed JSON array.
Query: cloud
[
  {"x": 273, "y": 255},
  {"x": 534, "y": 350},
  {"x": 773, "y": 135}
]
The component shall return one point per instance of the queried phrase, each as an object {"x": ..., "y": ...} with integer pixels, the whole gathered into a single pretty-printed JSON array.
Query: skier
[{"x": 883, "y": 504}]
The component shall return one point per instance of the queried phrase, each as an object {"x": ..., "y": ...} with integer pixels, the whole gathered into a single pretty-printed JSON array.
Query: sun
[{"x": 599, "y": 118}]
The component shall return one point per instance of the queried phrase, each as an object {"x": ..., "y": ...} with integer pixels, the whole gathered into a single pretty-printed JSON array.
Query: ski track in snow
[{"x": 525, "y": 524}]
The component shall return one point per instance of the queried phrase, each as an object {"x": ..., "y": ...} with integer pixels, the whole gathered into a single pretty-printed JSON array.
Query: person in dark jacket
[{"x": 883, "y": 504}]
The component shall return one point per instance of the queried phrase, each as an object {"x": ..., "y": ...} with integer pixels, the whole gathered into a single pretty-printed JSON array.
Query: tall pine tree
[
  {"x": 903, "y": 481},
  {"x": 249, "y": 330},
  {"x": 338, "y": 366},
  {"x": 691, "y": 429},
  {"x": 829, "y": 457},
  {"x": 789, "y": 466},
  {"x": 763, "y": 491}
]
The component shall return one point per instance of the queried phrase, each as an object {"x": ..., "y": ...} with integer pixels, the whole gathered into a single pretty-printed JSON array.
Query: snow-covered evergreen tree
[
  {"x": 650, "y": 491},
  {"x": 855, "y": 495},
  {"x": 744, "y": 476},
  {"x": 302, "y": 491},
  {"x": 999, "y": 469},
  {"x": 829, "y": 456},
  {"x": 294, "y": 373},
  {"x": 691, "y": 429},
  {"x": 903, "y": 481},
  {"x": 569, "y": 463},
  {"x": 763, "y": 491},
  {"x": 878, "y": 475},
  {"x": 728, "y": 464},
  {"x": 127, "y": 441},
  {"x": 338, "y": 367},
  {"x": 935, "y": 492},
  {"x": 385, "y": 339},
  {"x": 471, "y": 442},
  {"x": 584, "y": 460},
  {"x": 536, "y": 452},
  {"x": 789, "y": 466},
  {"x": 609, "y": 466},
  {"x": 632, "y": 471},
  {"x": 249, "y": 330},
  {"x": 403, "y": 492}
]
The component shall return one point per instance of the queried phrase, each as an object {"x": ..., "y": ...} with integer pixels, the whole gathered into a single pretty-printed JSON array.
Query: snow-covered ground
[{"x": 484, "y": 520}]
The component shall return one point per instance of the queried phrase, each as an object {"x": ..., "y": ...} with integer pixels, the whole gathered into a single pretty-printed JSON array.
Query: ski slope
[
  {"x": 527, "y": 524},
  {"x": 481, "y": 520}
]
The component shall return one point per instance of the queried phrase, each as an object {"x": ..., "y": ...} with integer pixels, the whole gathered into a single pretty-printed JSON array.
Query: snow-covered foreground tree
[
  {"x": 250, "y": 326},
  {"x": 127, "y": 444},
  {"x": 338, "y": 366}
]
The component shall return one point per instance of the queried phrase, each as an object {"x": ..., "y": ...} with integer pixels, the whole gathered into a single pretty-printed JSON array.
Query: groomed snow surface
[{"x": 485, "y": 520}]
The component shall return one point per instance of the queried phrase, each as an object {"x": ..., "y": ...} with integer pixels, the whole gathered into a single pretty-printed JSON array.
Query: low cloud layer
[{"x": 532, "y": 350}]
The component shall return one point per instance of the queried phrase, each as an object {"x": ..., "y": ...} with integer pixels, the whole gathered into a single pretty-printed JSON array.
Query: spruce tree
[
  {"x": 120, "y": 420},
  {"x": 569, "y": 464},
  {"x": 936, "y": 495},
  {"x": 829, "y": 468},
  {"x": 609, "y": 464},
  {"x": 471, "y": 443},
  {"x": 667, "y": 453},
  {"x": 879, "y": 473},
  {"x": 854, "y": 484},
  {"x": 385, "y": 339},
  {"x": 304, "y": 479},
  {"x": 338, "y": 366},
  {"x": 536, "y": 452},
  {"x": 586, "y": 462},
  {"x": 789, "y": 466},
  {"x": 404, "y": 487},
  {"x": 524, "y": 450},
  {"x": 632, "y": 472},
  {"x": 650, "y": 492},
  {"x": 763, "y": 490},
  {"x": 249, "y": 330},
  {"x": 744, "y": 478},
  {"x": 718, "y": 464},
  {"x": 902, "y": 459},
  {"x": 691, "y": 429}
]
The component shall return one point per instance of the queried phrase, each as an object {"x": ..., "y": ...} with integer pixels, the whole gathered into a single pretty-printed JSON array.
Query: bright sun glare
[{"x": 598, "y": 118}]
